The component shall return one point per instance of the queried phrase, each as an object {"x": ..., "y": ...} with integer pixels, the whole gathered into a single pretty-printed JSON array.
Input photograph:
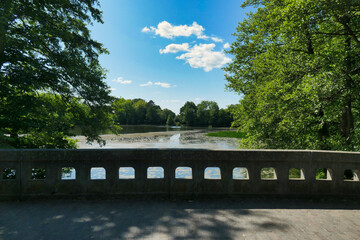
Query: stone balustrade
[{"x": 32, "y": 173}]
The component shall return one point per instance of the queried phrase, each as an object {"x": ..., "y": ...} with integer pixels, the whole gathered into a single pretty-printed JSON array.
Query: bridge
[
  {"x": 193, "y": 194},
  {"x": 41, "y": 173}
]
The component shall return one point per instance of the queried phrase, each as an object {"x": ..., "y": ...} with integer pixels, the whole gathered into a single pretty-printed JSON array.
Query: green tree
[
  {"x": 138, "y": 111},
  {"x": 188, "y": 114},
  {"x": 124, "y": 111},
  {"x": 152, "y": 113},
  {"x": 177, "y": 120},
  {"x": 45, "y": 47},
  {"x": 207, "y": 113},
  {"x": 140, "y": 106},
  {"x": 168, "y": 114},
  {"x": 225, "y": 118},
  {"x": 297, "y": 63},
  {"x": 170, "y": 120}
]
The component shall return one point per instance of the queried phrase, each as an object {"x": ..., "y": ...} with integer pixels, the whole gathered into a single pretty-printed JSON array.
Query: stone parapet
[{"x": 19, "y": 178}]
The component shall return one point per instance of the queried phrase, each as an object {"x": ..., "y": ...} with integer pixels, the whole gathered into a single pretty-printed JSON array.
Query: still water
[
  {"x": 98, "y": 173},
  {"x": 161, "y": 137},
  {"x": 154, "y": 128}
]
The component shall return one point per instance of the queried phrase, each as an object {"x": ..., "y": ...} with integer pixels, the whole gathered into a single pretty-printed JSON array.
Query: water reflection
[
  {"x": 158, "y": 172},
  {"x": 69, "y": 173},
  {"x": 126, "y": 173},
  {"x": 183, "y": 173},
  {"x": 212, "y": 173},
  {"x": 151, "y": 128},
  {"x": 97, "y": 173},
  {"x": 155, "y": 172},
  {"x": 162, "y": 137},
  {"x": 175, "y": 138},
  {"x": 240, "y": 173}
]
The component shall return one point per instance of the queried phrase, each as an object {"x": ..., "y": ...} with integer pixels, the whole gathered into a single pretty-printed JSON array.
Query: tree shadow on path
[{"x": 142, "y": 219}]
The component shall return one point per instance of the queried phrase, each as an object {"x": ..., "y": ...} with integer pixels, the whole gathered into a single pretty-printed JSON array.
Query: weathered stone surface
[{"x": 198, "y": 159}]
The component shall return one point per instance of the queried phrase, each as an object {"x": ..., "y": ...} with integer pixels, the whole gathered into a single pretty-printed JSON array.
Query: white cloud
[
  {"x": 167, "y": 30},
  {"x": 146, "y": 84},
  {"x": 112, "y": 89},
  {"x": 226, "y": 45},
  {"x": 197, "y": 99},
  {"x": 216, "y": 39},
  {"x": 161, "y": 84},
  {"x": 174, "y": 48},
  {"x": 122, "y": 81},
  {"x": 203, "y": 56},
  {"x": 145, "y": 29},
  {"x": 164, "y": 85},
  {"x": 203, "y": 37}
]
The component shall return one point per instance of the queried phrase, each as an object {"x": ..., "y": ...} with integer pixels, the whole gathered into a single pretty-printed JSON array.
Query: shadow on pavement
[
  {"x": 151, "y": 219},
  {"x": 121, "y": 219}
]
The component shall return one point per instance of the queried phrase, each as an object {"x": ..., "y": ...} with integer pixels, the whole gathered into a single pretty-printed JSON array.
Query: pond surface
[
  {"x": 99, "y": 173},
  {"x": 153, "y": 128},
  {"x": 162, "y": 137}
]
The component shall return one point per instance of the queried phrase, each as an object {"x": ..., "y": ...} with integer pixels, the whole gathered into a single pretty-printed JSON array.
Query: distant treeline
[{"x": 138, "y": 111}]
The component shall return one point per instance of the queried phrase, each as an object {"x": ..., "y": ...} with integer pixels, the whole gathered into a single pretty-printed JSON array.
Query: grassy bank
[{"x": 228, "y": 134}]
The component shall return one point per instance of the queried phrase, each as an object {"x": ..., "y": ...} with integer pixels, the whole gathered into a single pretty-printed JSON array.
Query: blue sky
[{"x": 168, "y": 51}]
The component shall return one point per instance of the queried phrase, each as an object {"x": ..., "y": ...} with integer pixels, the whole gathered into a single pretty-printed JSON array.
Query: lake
[
  {"x": 144, "y": 136},
  {"x": 98, "y": 173}
]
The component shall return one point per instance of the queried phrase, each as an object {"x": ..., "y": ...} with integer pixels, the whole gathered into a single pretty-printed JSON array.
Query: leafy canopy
[
  {"x": 138, "y": 111},
  {"x": 46, "y": 48},
  {"x": 296, "y": 64}
]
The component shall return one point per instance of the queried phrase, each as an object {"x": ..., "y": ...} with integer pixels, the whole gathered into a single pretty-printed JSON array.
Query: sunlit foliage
[
  {"x": 296, "y": 63},
  {"x": 50, "y": 76}
]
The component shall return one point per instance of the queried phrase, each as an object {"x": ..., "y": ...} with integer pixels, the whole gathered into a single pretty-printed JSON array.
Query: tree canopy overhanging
[
  {"x": 50, "y": 76},
  {"x": 296, "y": 64}
]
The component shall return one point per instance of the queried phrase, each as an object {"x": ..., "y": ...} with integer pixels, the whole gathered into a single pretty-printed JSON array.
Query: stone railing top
[{"x": 23, "y": 165}]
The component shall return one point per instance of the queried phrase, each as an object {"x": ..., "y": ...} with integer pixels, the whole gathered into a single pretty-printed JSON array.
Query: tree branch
[{"x": 344, "y": 22}]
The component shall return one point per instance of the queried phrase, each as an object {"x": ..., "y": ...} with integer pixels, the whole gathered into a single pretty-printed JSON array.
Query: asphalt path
[{"x": 250, "y": 218}]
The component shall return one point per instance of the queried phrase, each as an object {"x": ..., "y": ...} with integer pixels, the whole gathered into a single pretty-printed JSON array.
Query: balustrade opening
[
  {"x": 68, "y": 173},
  {"x": 38, "y": 173},
  {"x": 240, "y": 173},
  {"x": 183, "y": 173},
  {"x": 126, "y": 173},
  {"x": 324, "y": 174},
  {"x": 296, "y": 174},
  {"x": 351, "y": 175},
  {"x": 212, "y": 173},
  {"x": 155, "y": 172},
  {"x": 268, "y": 173},
  {"x": 8, "y": 173},
  {"x": 97, "y": 173}
]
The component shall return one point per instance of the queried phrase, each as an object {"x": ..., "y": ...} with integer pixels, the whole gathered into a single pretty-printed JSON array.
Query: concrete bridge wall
[{"x": 23, "y": 161}]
